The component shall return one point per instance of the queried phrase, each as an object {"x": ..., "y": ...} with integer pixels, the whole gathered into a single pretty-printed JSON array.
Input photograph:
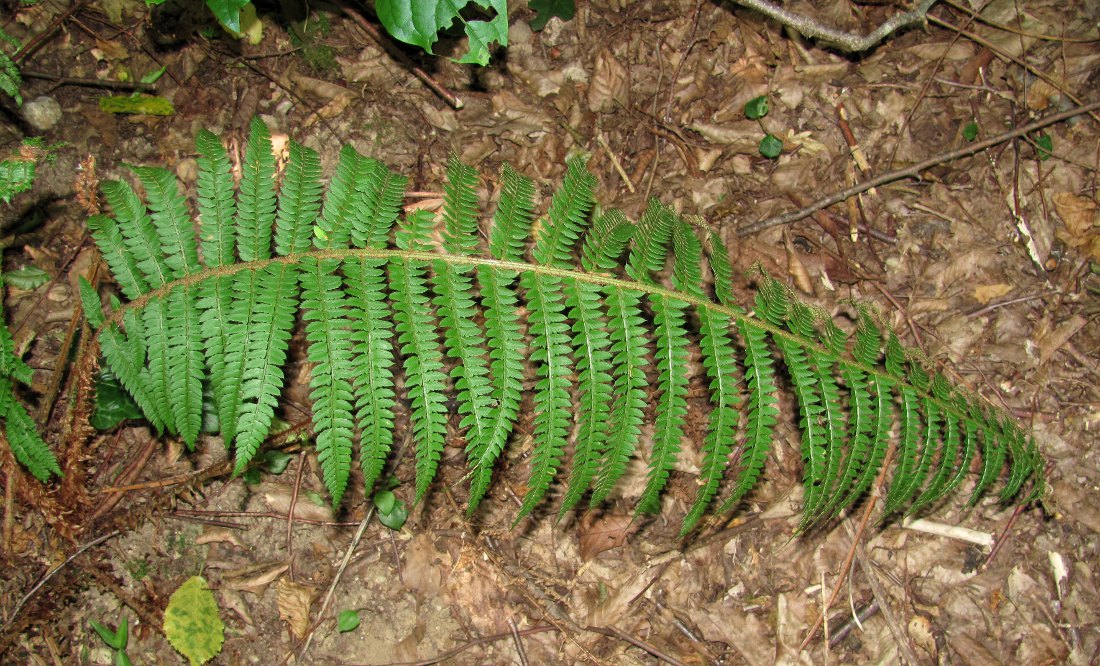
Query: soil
[{"x": 990, "y": 262}]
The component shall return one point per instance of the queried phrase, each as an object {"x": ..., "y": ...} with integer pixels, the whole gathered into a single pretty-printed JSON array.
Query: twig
[
  {"x": 978, "y": 39},
  {"x": 1004, "y": 536},
  {"x": 44, "y": 579},
  {"x": 518, "y": 641},
  {"x": 1007, "y": 28},
  {"x": 984, "y": 539},
  {"x": 90, "y": 83},
  {"x": 847, "y": 566},
  {"x": 636, "y": 642},
  {"x": 454, "y": 652},
  {"x": 845, "y": 41},
  {"x": 336, "y": 581},
  {"x": 290, "y": 513},
  {"x": 914, "y": 170},
  {"x": 438, "y": 88}
]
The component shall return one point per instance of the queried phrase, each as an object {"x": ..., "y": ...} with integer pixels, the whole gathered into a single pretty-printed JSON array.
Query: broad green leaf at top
[{"x": 418, "y": 22}]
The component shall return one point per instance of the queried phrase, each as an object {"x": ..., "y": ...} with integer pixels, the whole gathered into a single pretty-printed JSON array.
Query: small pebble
[{"x": 42, "y": 112}]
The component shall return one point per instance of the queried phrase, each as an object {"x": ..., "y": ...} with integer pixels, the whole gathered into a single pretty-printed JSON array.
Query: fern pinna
[{"x": 604, "y": 309}]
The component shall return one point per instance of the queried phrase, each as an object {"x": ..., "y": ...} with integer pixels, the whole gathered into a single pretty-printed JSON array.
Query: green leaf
[
  {"x": 139, "y": 104},
  {"x": 418, "y": 22},
  {"x": 115, "y": 639},
  {"x": 1044, "y": 147},
  {"x": 113, "y": 403},
  {"x": 228, "y": 12},
  {"x": 548, "y": 9},
  {"x": 392, "y": 512},
  {"x": 771, "y": 146},
  {"x": 192, "y": 622},
  {"x": 347, "y": 621},
  {"x": 970, "y": 131},
  {"x": 756, "y": 107},
  {"x": 27, "y": 278}
]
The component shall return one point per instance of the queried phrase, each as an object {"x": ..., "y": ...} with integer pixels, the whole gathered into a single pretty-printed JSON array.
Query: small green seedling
[
  {"x": 347, "y": 621},
  {"x": 756, "y": 108},
  {"x": 1044, "y": 147},
  {"x": 116, "y": 639},
  {"x": 970, "y": 131},
  {"x": 272, "y": 462},
  {"x": 392, "y": 512}
]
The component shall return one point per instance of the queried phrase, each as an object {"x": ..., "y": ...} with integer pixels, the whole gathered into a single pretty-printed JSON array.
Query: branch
[
  {"x": 914, "y": 170},
  {"x": 845, "y": 41}
]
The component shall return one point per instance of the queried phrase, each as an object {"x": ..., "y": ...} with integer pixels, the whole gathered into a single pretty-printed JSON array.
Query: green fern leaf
[
  {"x": 108, "y": 239},
  {"x": 416, "y": 331},
  {"x": 379, "y": 193},
  {"x": 267, "y": 314},
  {"x": 138, "y": 234},
  {"x": 217, "y": 207},
  {"x": 299, "y": 201},
  {"x": 608, "y": 239},
  {"x": 330, "y": 350},
  {"x": 565, "y": 220},
  {"x": 171, "y": 221},
  {"x": 256, "y": 200},
  {"x": 550, "y": 350},
  {"x": 464, "y": 340},
  {"x": 22, "y": 436},
  {"x": 334, "y": 226},
  {"x": 511, "y": 225},
  {"x": 185, "y": 363},
  {"x": 763, "y": 410}
]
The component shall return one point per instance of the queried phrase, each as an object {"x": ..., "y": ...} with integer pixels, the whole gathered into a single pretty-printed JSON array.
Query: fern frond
[
  {"x": 416, "y": 333},
  {"x": 587, "y": 339},
  {"x": 22, "y": 436},
  {"x": 256, "y": 199}
]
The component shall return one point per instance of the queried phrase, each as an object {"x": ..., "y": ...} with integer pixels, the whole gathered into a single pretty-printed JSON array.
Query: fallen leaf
[
  {"x": 1053, "y": 341},
  {"x": 254, "y": 579},
  {"x": 294, "y": 601},
  {"x": 218, "y": 535},
  {"x": 610, "y": 84},
  {"x": 987, "y": 292},
  {"x": 605, "y": 533}
]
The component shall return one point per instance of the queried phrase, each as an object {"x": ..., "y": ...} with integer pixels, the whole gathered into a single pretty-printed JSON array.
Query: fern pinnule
[
  {"x": 256, "y": 198},
  {"x": 269, "y": 301},
  {"x": 330, "y": 350},
  {"x": 511, "y": 226},
  {"x": 551, "y": 343},
  {"x": 423, "y": 359},
  {"x": 372, "y": 202},
  {"x": 592, "y": 347},
  {"x": 299, "y": 201},
  {"x": 342, "y": 201},
  {"x": 463, "y": 338},
  {"x": 215, "y": 201}
]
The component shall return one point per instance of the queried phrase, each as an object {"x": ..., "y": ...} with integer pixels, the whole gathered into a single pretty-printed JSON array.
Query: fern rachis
[{"x": 450, "y": 319}]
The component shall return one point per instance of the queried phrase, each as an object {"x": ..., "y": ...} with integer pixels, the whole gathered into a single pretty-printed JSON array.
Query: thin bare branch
[{"x": 845, "y": 41}]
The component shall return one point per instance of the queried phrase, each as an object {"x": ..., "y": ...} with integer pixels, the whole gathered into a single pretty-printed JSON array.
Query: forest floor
[{"x": 990, "y": 262}]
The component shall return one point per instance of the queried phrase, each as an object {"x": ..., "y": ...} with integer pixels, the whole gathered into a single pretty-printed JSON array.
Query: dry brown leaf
[
  {"x": 599, "y": 534},
  {"x": 612, "y": 609},
  {"x": 610, "y": 84},
  {"x": 1053, "y": 341},
  {"x": 256, "y": 578},
  {"x": 218, "y": 535},
  {"x": 279, "y": 495},
  {"x": 1081, "y": 215},
  {"x": 425, "y": 566},
  {"x": 796, "y": 269},
  {"x": 987, "y": 292},
  {"x": 294, "y": 601}
]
